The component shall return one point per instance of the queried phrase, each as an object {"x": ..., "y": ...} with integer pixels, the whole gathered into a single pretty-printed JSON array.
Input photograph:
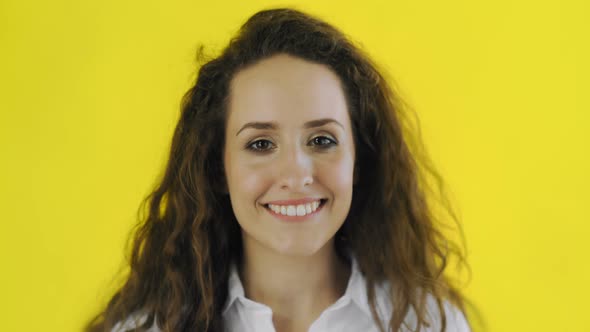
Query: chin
[{"x": 298, "y": 249}]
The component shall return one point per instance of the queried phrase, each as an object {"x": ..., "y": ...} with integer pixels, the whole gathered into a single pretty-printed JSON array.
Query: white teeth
[
  {"x": 291, "y": 210},
  {"x": 295, "y": 210},
  {"x": 300, "y": 210}
]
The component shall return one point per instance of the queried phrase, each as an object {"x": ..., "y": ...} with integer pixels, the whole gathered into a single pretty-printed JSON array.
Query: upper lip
[{"x": 294, "y": 201}]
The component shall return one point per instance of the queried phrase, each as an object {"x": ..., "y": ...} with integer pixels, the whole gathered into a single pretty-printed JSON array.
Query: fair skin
[{"x": 289, "y": 138}]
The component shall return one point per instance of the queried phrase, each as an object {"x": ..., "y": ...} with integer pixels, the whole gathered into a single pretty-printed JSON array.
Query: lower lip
[{"x": 296, "y": 218}]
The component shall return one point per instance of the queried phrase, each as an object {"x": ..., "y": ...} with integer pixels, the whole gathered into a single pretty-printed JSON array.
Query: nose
[{"x": 296, "y": 170}]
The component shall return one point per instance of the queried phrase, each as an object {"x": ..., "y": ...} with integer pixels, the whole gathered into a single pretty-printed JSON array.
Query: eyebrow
[{"x": 274, "y": 125}]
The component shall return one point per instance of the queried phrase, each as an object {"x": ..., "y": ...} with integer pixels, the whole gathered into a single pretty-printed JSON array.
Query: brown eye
[
  {"x": 322, "y": 142},
  {"x": 260, "y": 145}
]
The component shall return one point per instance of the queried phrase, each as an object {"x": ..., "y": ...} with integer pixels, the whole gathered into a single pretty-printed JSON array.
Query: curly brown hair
[{"x": 179, "y": 261}]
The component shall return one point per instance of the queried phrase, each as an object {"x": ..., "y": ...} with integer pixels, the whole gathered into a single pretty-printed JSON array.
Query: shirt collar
[
  {"x": 356, "y": 289},
  {"x": 235, "y": 288}
]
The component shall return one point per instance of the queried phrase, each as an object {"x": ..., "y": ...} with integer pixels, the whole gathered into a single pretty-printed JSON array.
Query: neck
[{"x": 296, "y": 288}]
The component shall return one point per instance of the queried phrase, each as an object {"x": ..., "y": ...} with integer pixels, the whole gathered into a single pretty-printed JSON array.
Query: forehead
[{"x": 286, "y": 88}]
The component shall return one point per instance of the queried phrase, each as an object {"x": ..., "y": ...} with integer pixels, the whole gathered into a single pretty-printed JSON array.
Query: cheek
[
  {"x": 247, "y": 181},
  {"x": 337, "y": 175}
]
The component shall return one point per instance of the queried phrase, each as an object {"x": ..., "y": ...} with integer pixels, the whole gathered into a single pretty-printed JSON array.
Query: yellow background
[{"x": 90, "y": 93}]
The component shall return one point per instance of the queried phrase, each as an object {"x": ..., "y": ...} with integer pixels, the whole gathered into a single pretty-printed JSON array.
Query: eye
[
  {"x": 260, "y": 145},
  {"x": 322, "y": 142}
]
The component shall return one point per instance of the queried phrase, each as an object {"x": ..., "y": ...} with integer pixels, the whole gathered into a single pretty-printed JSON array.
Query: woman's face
[{"x": 289, "y": 155}]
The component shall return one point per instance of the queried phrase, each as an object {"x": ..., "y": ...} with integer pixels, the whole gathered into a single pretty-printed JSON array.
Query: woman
[{"x": 291, "y": 200}]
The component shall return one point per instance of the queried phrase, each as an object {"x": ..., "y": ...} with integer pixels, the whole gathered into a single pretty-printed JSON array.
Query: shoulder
[
  {"x": 455, "y": 318},
  {"x": 134, "y": 321}
]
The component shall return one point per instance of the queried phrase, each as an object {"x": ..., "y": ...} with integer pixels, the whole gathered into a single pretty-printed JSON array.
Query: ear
[
  {"x": 221, "y": 182},
  {"x": 223, "y": 186},
  {"x": 355, "y": 175}
]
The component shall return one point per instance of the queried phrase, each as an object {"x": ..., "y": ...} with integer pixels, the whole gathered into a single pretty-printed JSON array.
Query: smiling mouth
[{"x": 296, "y": 211}]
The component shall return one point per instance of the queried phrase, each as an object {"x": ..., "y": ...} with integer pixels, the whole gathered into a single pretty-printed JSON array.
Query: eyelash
[{"x": 250, "y": 146}]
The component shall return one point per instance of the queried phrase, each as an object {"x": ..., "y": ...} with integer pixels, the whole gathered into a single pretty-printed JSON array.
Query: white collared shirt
[{"x": 350, "y": 313}]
